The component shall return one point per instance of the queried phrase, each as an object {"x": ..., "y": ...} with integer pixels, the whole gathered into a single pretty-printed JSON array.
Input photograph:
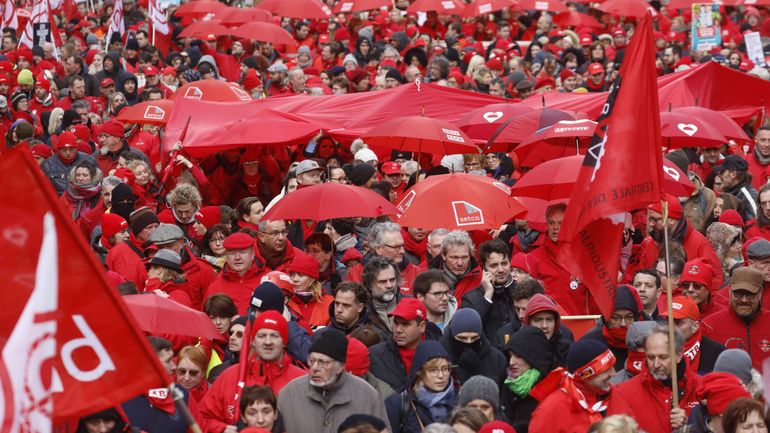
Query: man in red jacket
[
  {"x": 759, "y": 160},
  {"x": 267, "y": 365},
  {"x": 648, "y": 394},
  {"x": 241, "y": 274},
  {"x": 458, "y": 264},
  {"x": 745, "y": 325}
]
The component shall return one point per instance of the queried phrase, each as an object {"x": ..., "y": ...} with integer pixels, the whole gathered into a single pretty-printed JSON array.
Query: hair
[
  {"x": 166, "y": 274},
  {"x": 196, "y": 355},
  {"x": 373, "y": 268},
  {"x": 382, "y": 188},
  {"x": 243, "y": 208},
  {"x": 159, "y": 344},
  {"x": 127, "y": 288},
  {"x": 762, "y": 220},
  {"x": 555, "y": 208},
  {"x": 493, "y": 246},
  {"x": 410, "y": 166},
  {"x": 362, "y": 295},
  {"x": 527, "y": 289},
  {"x": 377, "y": 233},
  {"x": 443, "y": 66},
  {"x": 367, "y": 334},
  {"x": 438, "y": 427},
  {"x": 93, "y": 170},
  {"x": 470, "y": 417},
  {"x": 661, "y": 328},
  {"x": 617, "y": 424},
  {"x": 457, "y": 238},
  {"x": 650, "y": 272},
  {"x": 677, "y": 265},
  {"x": 74, "y": 78},
  {"x": 437, "y": 232},
  {"x": 183, "y": 194},
  {"x": 203, "y": 245},
  {"x": 433, "y": 362},
  {"x": 738, "y": 411},
  {"x": 257, "y": 393},
  {"x": 424, "y": 281},
  {"x": 473, "y": 157},
  {"x": 343, "y": 226},
  {"x": 135, "y": 163},
  {"x": 362, "y": 428},
  {"x": 322, "y": 239},
  {"x": 220, "y": 305}
]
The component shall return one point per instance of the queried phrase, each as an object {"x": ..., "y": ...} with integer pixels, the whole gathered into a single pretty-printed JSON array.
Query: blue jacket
[{"x": 152, "y": 420}]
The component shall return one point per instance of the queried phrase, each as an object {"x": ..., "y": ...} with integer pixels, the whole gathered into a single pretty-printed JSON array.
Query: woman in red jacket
[
  {"x": 191, "y": 371},
  {"x": 165, "y": 277},
  {"x": 247, "y": 214},
  {"x": 144, "y": 187},
  {"x": 308, "y": 302}
]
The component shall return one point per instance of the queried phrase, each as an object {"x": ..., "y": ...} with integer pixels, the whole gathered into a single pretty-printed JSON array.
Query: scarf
[
  {"x": 160, "y": 398},
  {"x": 252, "y": 183},
  {"x": 45, "y": 102},
  {"x": 615, "y": 337},
  {"x": 634, "y": 362},
  {"x": 562, "y": 381},
  {"x": 692, "y": 350},
  {"x": 524, "y": 383},
  {"x": 453, "y": 279},
  {"x": 67, "y": 161},
  {"x": 761, "y": 159},
  {"x": 439, "y": 404},
  {"x": 407, "y": 357},
  {"x": 274, "y": 258},
  {"x": 417, "y": 248}
]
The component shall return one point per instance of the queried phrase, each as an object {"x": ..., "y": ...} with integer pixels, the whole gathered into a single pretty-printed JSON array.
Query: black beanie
[
  {"x": 393, "y": 73},
  {"x": 110, "y": 414},
  {"x": 532, "y": 345},
  {"x": 583, "y": 352},
  {"x": 680, "y": 159},
  {"x": 361, "y": 173},
  {"x": 361, "y": 419},
  {"x": 123, "y": 199},
  {"x": 332, "y": 343},
  {"x": 250, "y": 62},
  {"x": 141, "y": 218},
  {"x": 132, "y": 44},
  {"x": 70, "y": 117},
  {"x": 267, "y": 296},
  {"x": 625, "y": 299}
]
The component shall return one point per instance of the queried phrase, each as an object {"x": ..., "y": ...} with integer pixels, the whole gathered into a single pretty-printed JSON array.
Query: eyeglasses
[
  {"x": 282, "y": 233},
  {"x": 191, "y": 373},
  {"x": 691, "y": 285},
  {"x": 436, "y": 370},
  {"x": 628, "y": 318},
  {"x": 442, "y": 294},
  {"x": 395, "y": 247},
  {"x": 238, "y": 334},
  {"x": 742, "y": 294},
  {"x": 217, "y": 240},
  {"x": 321, "y": 363}
]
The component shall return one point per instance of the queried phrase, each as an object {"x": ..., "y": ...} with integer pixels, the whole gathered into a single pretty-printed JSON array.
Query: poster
[
  {"x": 706, "y": 32},
  {"x": 41, "y": 33},
  {"x": 754, "y": 48}
]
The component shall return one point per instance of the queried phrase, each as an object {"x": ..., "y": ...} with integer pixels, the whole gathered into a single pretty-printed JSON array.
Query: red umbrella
[
  {"x": 445, "y": 7},
  {"x": 519, "y": 128},
  {"x": 199, "y": 8},
  {"x": 536, "y": 211},
  {"x": 350, "y": 6},
  {"x": 563, "y": 138},
  {"x": 420, "y": 134},
  {"x": 158, "y": 315},
  {"x": 330, "y": 200},
  {"x": 482, "y": 122},
  {"x": 458, "y": 201},
  {"x": 542, "y": 5},
  {"x": 484, "y": 7},
  {"x": 685, "y": 130},
  {"x": 627, "y": 8},
  {"x": 576, "y": 19},
  {"x": 265, "y": 32},
  {"x": 148, "y": 112},
  {"x": 212, "y": 90},
  {"x": 555, "y": 179},
  {"x": 296, "y": 8},
  {"x": 201, "y": 29},
  {"x": 233, "y": 16},
  {"x": 719, "y": 120}
]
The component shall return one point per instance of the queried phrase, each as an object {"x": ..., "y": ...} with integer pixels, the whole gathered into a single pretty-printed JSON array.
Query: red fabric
[
  {"x": 729, "y": 330},
  {"x": 556, "y": 281},
  {"x": 757, "y": 231},
  {"x": 407, "y": 357},
  {"x": 419, "y": 249},
  {"x": 313, "y": 314},
  {"x": 291, "y": 251},
  {"x": 123, "y": 260},
  {"x": 692, "y": 349},
  {"x": 759, "y": 172},
  {"x": 615, "y": 337},
  {"x": 237, "y": 287},
  {"x": 470, "y": 281},
  {"x": 199, "y": 275}
]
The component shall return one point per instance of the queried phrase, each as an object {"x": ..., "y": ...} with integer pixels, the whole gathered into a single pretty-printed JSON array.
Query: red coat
[
  {"x": 199, "y": 275},
  {"x": 729, "y": 330},
  {"x": 235, "y": 286},
  {"x": 467, "y": 283},
  {"x": 756, "y": 231},
  {"x": 558, "y": 413},
  {"x": 218, "y": 406},
  {"x": 408, "y": 274},
  {"x": 312, "y": 315},
  {"x": 759, "y": 172},
  {"x": 557, "y": 280},
  {"x": 650, "y": 401},
  {"x": 125, "y": 261}
]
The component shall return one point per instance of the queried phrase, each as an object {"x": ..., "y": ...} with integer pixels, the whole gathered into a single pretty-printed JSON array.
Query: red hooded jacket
[
  {"x": 239, "y": 288},
  {"x": 557, "y": 280},
  {"x": 729, "y": 330}
]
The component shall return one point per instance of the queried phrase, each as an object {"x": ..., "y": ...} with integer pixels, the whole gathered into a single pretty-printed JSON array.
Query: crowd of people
[{"x": 360, "y": 325}]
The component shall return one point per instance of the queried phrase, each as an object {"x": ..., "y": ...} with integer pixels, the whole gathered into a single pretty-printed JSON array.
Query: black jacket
[
  {"x": 385, "y": 361},
  {"x": 493, "y": 314},
  {"x": 478, "y": 358},
  {"x": 709, "y": 352}
]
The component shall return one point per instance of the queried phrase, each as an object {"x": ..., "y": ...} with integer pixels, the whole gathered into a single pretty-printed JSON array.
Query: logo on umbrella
[
  {"x": 406, "y": 202},
  {"x": 241, "y": 93},
  {"x": 193, "y": 93},
  {"x": 154, "y": 112},
  {"x": 671, "y": 172},
  {"x": 453, "y": 135},
  {"x": 467, "y": 214}
]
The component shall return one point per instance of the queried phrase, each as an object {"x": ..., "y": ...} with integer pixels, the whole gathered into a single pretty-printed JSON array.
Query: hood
[
  {"x": 115, "y": 57},
  {"x": 210, "y": 60},
  {"x": 541, "y": 302},
  {"x": 426, "y": 351},
  {"x": 361, "y": 39},
  {"x": 195, "y": 55},
  {"x": 402, "y": 40},
  {"x": 531, "y": 344},
  {"x": 628, "y": 299}
]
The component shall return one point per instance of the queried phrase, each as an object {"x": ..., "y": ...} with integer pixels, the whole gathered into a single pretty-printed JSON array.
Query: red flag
[
  {"x": 117, "y": 24},
  {"x": 622, "y": 171},
  {"x": 73, "y": 347},
  {"x": 160, "y": 26},
  {"x": 9, "y": 14}
]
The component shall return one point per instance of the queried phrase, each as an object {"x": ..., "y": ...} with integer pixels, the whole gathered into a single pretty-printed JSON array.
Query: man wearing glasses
[
  {"x": 240, "y": 274},
  {"x": 432, "y": 289},
  {"x": 274, "y": 250},
  {"x": 385, "y": 240}
]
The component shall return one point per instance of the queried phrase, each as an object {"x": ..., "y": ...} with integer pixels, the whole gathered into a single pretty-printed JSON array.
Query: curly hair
[{"x": 183, "y": 194}]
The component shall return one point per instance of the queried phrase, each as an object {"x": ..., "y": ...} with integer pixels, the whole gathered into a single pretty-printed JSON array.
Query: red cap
[
  {"x": 720, "y": 389},
  {"x": 458, "y": 76},
  {"x": 497, "y": 427},
  {"x": 391, "y": 167},
  {"x": 495, "y": 64},
  {"x": 126, "y": 175},
  {"x": 113, "y": 224},
  {"x": 619, "y": 32},
  {"x": 81, "y": 132},
  {"x": 107, "y": 82},
  {"x": 731, "y": 217},
  {"x": 409, "y": 309},
  {"x": 66, "y": 139},
  {"x": 697, "y": 271},
  {"x": 150, "y": 71},
  {"x": 41, "y": 150},
  {"x": 238, "y": 241},
  {"x": 209, "y": 216},
  {"x": 586, "y": 40},
  {"x": 169, "y": 70},
  {"x": 674, "y": 207},
  {"x": 566, "y": 73},
  {"x": 595, "y": 68},
  {"x": 43, "y": 83},
  {"x": 358, "y": 357},
  {"x": 683, "y": 307},
  {"x": 280, "y": 279},
  {"x": 272, "y": 320},
  {"x": 113, "y": 127},
  {"x": 305, "y": 265},
  {"x": 351, "y": 254},
  {"x": 519, "y": 261}
]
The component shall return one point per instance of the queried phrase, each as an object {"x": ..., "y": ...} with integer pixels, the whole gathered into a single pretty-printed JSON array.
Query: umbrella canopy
[
  {"x": 576, "y": 19},
  {"x": 296, "y": 8},
  {"x": 718, "y": 120},
  {"x": 350, "y": 6},
  {"x": 446, "y": 7},
  {"x": 627, "y": 8},
  {"x": 158, "y": 315},
  {"x": 563, "y": 138},
  {"x": 519, "y": 128},
  {"x": 202, "y": 29},
  {"x": 198, "y": 8},
  {"x": 265, "y": 32},
  {"x": 484, "y": 7},
  {"x": 685, "y": 130},
  {"x": 542, "y": 5},
  {"x": 233, "y": 16},
  {"x": 212, "y": 90},
  {"x": 482, "y": 122},
  {"x": 330, "y": 200},
  {"x": 148, "y": 112},
  {"x": 555, "y": 179},
  {"x": 458, "y": 201},
  {"x": 420, "y": 134}
]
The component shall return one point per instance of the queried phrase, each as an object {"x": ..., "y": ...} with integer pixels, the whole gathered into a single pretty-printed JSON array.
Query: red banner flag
[
  {"x": 622, "y": 171},
  {"x": 160, "y": 26},
  {"x": 70, "y": 346}
]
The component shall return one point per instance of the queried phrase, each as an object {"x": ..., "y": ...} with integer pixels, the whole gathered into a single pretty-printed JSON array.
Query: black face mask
[
  {"x": 123, "y": 208},
  {"x": 461, "y": 346}
]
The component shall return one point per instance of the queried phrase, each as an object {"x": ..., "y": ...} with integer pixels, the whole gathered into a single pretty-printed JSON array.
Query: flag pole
[
  {"x": 181, "y": 406},
  {"x": 669, "y": 306}
]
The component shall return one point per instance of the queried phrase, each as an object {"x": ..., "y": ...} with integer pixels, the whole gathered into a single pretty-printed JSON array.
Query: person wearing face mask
[
  {"x": 470, "y": 349},
  {"x": 543, "y": 313},
  {"x": 614, "y": 328},
  {"x": 309, "y": 304}
]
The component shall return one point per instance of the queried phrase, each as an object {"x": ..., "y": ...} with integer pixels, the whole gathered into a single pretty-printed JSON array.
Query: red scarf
[
  {"x": 407, "y": 357},
  {"x": 420, "y": 249},
  {"x": 692, "y": 350},
  {"x": 615, "y": 337},
  {"x": 160, "y": 398},
  {"x": 252, "y": 183},
  {"x": 634, "y": 362}
]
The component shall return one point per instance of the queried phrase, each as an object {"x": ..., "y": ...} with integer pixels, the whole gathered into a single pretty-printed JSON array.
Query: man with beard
[
  {"x": 700, "y": 352},
  {"x": 493, "y": 300},
  {"x": 710, "y": 157},
  {"x": 381, "y": 279},
  {"x": 759, "y": 160},
  {"x": 432, "y": 289},
  {"x": 385, "y": 240},
  {"x": 458, "y": 264},
  {"x": 43, "y": 100},
  {"x": 737, "y": 181},
  {"x": 352, "y": 308},
  {"x": 324, "y": 398}
]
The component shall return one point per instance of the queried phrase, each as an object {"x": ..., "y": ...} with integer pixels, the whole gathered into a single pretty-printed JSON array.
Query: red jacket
[
  {"x": 235, "y": 286},
  {"x": 756, "y": 231},
  {"x": 218, "y": 406},
  {"x": 729, "y": 330},
  {"x": 759, "y": 172},
  {"x": 127, "y": 262},
  {"x": 558, "y": 413},
  {"x": 557, "y": 280},
  {"x": 313, "y": 314},
  {"x": 650, "y": 400},
  {"x": 408, "y": 274},
  {"x": 199, "y": 275}
]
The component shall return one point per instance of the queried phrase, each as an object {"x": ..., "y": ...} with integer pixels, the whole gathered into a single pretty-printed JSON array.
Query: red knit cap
[
  {"x": 113, "y": 128},
  {"x": 41, "y": 150},
  {"x": 731, "y": 217},
  {"x": 358, "y": 357},
  {"x": 674, "y": 207},
  {"x": 272, "y": 319},
  {"x": 126, "y": 175},
  {"x": 351, "y": 254},
  {"x": 66, "y": 139},
  {"x": 305, "y": 265},
  {"x": 697, "y": 271},
  {"x": 81, "y": 132},
  {"x": 720, "y": 389},
  {"x": 519, "y": 261},
  {"x": 209, "y": 216},
  {"x": 113, "y": 224}
]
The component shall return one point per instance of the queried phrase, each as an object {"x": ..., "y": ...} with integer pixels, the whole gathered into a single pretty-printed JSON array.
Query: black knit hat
[
  {"x": 332, "y": 343},
  {"x": 625, "y": 300},
  {"x": 141, "y": 218},
  {"x": 361, "y": 419},
  {"x": 532, "y": 345},
  {"x": 393, "y": 73},
  {"x": 123, "y": 199},
  {"x": 583, "y": 352},
  {"x": 267, "y": 296},
  {"x": 361, "y": 173}
]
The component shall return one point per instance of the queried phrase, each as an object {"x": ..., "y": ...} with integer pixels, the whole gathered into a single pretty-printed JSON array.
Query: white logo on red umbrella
[
  {"x": 492, "y": 116},
  {"x": 406, "y": 202},
  {"x": 467, "y": 214},
  {"x": 687, "y": 128},
  {"x": 453, "y": 135},
  {"x": 346, "y": 7},
  {"x": 193, "y": 93},
  {"x": 448, "y": 5},
  {"x": 485, "y": 8},
  {"x": 541, "y": 6},
  {"x": 154, "y": 112},
  {"x": 671, "y": 172},
  {"x": 241, "y": 93}
]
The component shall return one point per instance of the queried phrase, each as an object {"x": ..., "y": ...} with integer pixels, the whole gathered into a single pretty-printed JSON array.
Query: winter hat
[
  {"x": 81, "y": 132},
  {"x": 272, "y": 320},
  {"x": 722, "y": 236},
  {"x": 141, "y": 218},
  {"x": 238, "y": 241},
  {"x": 350, "y": 58},
  {"x": 267, "y": 297},
  {"x": 719, "y": 390},
  {"x": 736, "y": 362},
  {"x": 66, "y": 140},
  {"x": 479, "y": 388},
  {"x": 167, "y": 259},
  {"x": 361, "y": 173},
  {"x": 305, "y": 265},
  {"x": 465, "y": 320},
  {"x": 43, "y": 83},
  {"x": 637, "y": 331},
  {"x": 697, "y": 271},
  {"x": 359, "y": 419},
  {"x": 351, "y": 254},
  {"x": 455, "y": 163},
  {"x": 332, "y": 343},
  {"x": 731, "y": 217},
  {"x": 123, "y": 199},
  {"x": 209, "y": 216},
  {"x": 674, "y": 207},
  {"x": 625, "y": 299},
  {"x": 394, "y": 74},
  {"x": 114, "y": 128},
  {"x": 112, "y": 224},
  {"x": 497, "y": 427},
  {"x": 251, "y": 80},
  {"x": 582, "y": 352},
  {"x": 25, "y": 78},
  {"x": 366, "y": 155},
  {"x": 531, "y": 344},
  {"x": 17, "y": 97},
  {"x": 358, "y": 357},
  {"x": 304, "y": 49},
  {"x": 680, "y": 159},
  {"x": 108, "y": 414},
  {"x": 566, "y": 73},
  {"x": 41, "y": 150}
]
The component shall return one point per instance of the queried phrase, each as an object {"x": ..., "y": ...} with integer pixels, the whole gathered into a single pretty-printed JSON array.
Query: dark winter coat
[
  {"x": 477, "y": 358},
  {"x": 493, "y": 314}
]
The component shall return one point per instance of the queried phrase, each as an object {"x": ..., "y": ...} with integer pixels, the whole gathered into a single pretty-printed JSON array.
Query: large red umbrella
[
  {"x": 555, "y": 179},
  {"x": 458, "y": 201},
  {"x": 719, "y": 120},
  {"x": 519, "y": 128},
  {"x": 542, "y": 5},
  {"x": 685, "y": 130},
  {"x": 233, "y": 16},
  {"x": 199, "y": 8},
  {"x": 201, "y": 29},
  {"x": 296, "y": 8},
  {"x": 158, "y": 315},
  {"x": 330, "y": 200},
  {"x": 265, "y": 32},
  {"x": 483, "y": 7},
  {"x": 576, "y": 19},
  {"x": 627, "y": 8},
  {"x": 563, "y": 138},
  {"x": 482, "y": 122},
  {"x": 420, "y": 134},
  {"x": 445, "y": 7},
  {"x": 350, "y": 6},
  {"x": 148, "y": 112},
  {"x": 212, "y": 90}
]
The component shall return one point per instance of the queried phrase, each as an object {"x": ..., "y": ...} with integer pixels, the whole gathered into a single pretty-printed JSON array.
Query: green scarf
[{"x": 522, "y": 384}]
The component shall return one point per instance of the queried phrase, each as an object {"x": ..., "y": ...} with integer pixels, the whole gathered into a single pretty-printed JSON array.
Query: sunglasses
[
  {"x": 184, "y": 371},
  {"x": 238, "y": 334}
]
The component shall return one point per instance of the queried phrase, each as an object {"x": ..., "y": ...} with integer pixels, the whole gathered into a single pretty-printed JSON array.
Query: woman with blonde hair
[
  {"x": 144, "y": 187},
  {"x": 308, "y": 303},
  {"x": 191, "y": 371}
]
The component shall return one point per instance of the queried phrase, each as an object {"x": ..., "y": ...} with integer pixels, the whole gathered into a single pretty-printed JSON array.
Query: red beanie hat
[
  {"x": 126, "y": 175},
  {"x": 113, "y": 128},
  {"x": 273, "y": 320},
  {"x": 42, "y": 150},
  {"x": 697, "y": 271},
  {"x": 251, "y": 80},
  {"x": 674, "y": 207},
  {"x": 731, "y": 217},
  {"x": 81, "y": 132},
  {"x": 115, "y": 278},
  {"x": 43, "y": 83},
  {"x": 720, "y": 389},
  {"x": 351, "y": 254},
  {"x": 358, "y": 357},
  {"x": 305, "y": 265},
  {"x": 209, "y": 216},
  {"x": 66, "y": 139},
  {"x": 112, "y": 224}
]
